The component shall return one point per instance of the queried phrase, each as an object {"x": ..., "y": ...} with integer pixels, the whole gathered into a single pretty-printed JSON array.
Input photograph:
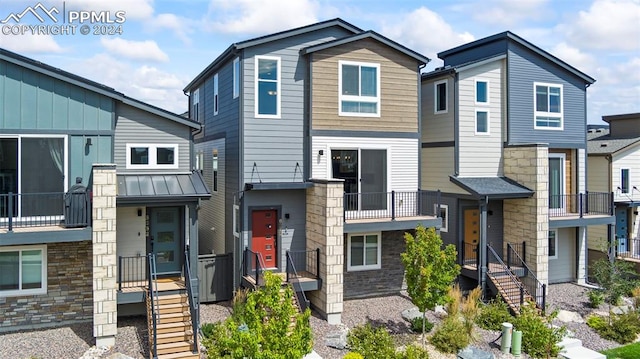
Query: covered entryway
[
  {"x": 471, "y": 238},
  {"x": 264, "y": 225}
]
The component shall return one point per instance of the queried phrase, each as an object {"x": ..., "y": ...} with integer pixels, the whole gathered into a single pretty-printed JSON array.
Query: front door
[
  {"x": 263, "y": 240},
  {"x": 622, "y": 229},
  {"x": 471, "y": 235},
  {"x": 166, "y": 239}
]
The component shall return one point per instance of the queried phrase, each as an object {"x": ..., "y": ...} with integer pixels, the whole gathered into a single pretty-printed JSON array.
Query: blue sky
[{"x": 164, "y": 44}]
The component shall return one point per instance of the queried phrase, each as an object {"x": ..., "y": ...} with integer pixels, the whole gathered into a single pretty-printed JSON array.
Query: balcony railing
[
  {"x": 307, "y": 263},
  {"x": 628, "y": 247},
  {"x": 391, "y": 205},
  {"x": 581, "y": 204},
  {"x": 132, "y": 272},
  {"x": 71, "y": 209}
]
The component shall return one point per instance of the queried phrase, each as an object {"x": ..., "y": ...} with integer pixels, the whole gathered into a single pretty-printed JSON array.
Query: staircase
[{"x": 507, "y": 283}]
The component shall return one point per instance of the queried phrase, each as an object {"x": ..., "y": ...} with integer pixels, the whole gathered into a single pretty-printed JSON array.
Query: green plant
[
  {"x": 353, "y": 355},
  {"x": 371, "y": 342},
  {"x": 596, "y": 297},
  {"x": 631, "y": 351},
  {"x": 539, "y": 338},
  {"x": 616, "y": 277},
  {"x": 418, "y": 323},
  {"x": 469, "y": 308},
  {"x": 451, "y": 336},
  {"x": 207, "y": 329},
  {"x": 493, "y": 314},
  {"x": 430, "y": 268},
  {"x": 413, "y": 351},
  {"x": 597, "y": 322}
]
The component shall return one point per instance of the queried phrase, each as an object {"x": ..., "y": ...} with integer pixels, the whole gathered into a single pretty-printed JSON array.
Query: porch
[{"x": 581, "y": 209}]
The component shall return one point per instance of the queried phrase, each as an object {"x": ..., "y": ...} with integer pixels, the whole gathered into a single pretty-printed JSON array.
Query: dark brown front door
[
  {"x": 263, "y": 241},
  {"x": 471, "y": 234}
]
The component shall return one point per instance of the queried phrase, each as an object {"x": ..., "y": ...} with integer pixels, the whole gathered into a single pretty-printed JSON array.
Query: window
[
  {"x": 215, "y": 170},
  {"x": 440, "y": 90},
  {"x": 215, "y": 95},
  {"x": 236, "y": 77},
  {"x": 364, "y": 251},
  {"x": 553, "y": 244},
  {"x": 548, "y": 106},
  {"x": 364, "y": 171},
  {"x": 199, "y": 161},
  {"x": 151, "y": 156},
  {"x": 482, "y": 122},
  {"x": 267, "y": 87},
  {"x": 195, "y": 105},
  {"x": 444, "y": 214},
  {"x": 359, "y": 89},
  {"x": 624, "y": 180},
  {"x": 482, "y": 92},
  {"x": 23, "y": 270},
  {"x": 556, "y": 182}
]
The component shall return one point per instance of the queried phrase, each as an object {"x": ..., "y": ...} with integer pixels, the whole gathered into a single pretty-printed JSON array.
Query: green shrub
[
  {"x": 413, "y": 351},
  {"x": 353, "y": 355},
  {"x": 623, "y": 328},
  {"x": 371, "y": 342},
  {"x": 416, "y": 325},
  {"x": 207, "y": 329},
  {"x": 493, "y": 314},
  {"x": 597, "y": 322},
  {"x": 596, "y": 297},
  {"x": 539, "y": 338},
  {"x": 450, "y": 336}
]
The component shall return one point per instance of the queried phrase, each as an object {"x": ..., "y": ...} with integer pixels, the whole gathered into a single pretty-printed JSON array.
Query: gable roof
[
  {"x": 234, "y": 48},
  {"x": 370, "y": 34},
  {"x": 602, "y": 143},
  {"x": 508, "y": 35},
  {"x": 90, "y": 85}
]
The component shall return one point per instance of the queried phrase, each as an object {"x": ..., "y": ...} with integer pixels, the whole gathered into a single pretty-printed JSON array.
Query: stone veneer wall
[
  {"x": 324, "y": 230},
  {"x": 69, "y": 297},
  {"x": 528, "y": 219},
  {"x": 105, "y": 306},
  {"x": 387, "y": 280}
]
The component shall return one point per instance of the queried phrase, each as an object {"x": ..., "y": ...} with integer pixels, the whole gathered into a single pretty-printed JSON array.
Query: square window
[
  {"x": 151, "y": 156},
  {"x": 364, "y": 251},
  {"x": 165, "y": 155},
  {"x": 440, "y": 90},
  {"x": 139, "y": 155},
  {"x": 548, "y": 106},
  {"x": 359, "y": 90},
  {"x": 23, "y": 271},
  {"x": 482, "y": 122}
]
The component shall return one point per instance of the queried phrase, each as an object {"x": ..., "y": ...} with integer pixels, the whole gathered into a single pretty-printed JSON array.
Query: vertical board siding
[
  {"x": 81, "y": 157},
  {"x": 437, "y": 165},
  {"x": 276, "y": 145},
  {"x": 627, "y": 158},
  {"x": 398, "y": 88},
  {"x": 402, "y": 158},
  {"x": 563, "y": 268},
  {"x": 526, "y": 68},
  {"x": 480, "y": 154},
  {"x": 211, "y": 218},
  {"x": 437, "y": 127},
  {"x": 133, "y": 122},
  {"x": 33, "y": 101}
]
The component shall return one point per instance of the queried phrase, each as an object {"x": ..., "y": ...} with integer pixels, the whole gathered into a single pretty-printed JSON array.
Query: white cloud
[
  {"x": 137, "y": 50},
  {"x": 425, "y": 32},
  {"x": 136, "y": 9},
  {"x": 575, "y": 57},
  {"x": 508, "y": 12},
  {"x": 607, "y": 25},
  {"x": 260, "y": 16},
  {"x": 179, "y": 26},
  {"x": 29, "y": 43}
]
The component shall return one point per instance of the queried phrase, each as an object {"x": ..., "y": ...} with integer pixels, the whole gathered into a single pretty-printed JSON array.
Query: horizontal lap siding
[
  {"x": 437, "y": 165},
  {"x": 437, "y": 127},
  {"x": 627, "y": 158},
  {"x": 563, "y": 268},
  {"x": 398, "y": 88},
  {"x": 598, "y": 176},
  {"x": 211, "y": 218}
]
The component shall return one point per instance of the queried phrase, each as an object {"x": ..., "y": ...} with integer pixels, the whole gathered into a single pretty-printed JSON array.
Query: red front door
[{"x": 263, "y": 240}]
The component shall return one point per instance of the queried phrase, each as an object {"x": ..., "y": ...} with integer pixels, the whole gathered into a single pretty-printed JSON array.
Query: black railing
[
  {"x": 511, "y": 285},
  {"x": 470, "y": 256},
  {"x": 394, "y": 204},
  {"x": 581, "y": 204},
  {"x": 628, "y": 247},
  {"x": 252, "y": 266},
  {"x": 153, "y": 303},
  {"x": 132, "y": 272},
  {"x": 306, "y": 261},
  {"x": 72, "y": 210},
  {"x": 294, "y": 279},
  {"x": 517, "y": 265},
  {"x": 193, "y": 305}
]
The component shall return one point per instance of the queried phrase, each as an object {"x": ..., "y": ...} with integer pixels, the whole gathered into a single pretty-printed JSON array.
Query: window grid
[
  {"x": 24, "y": 272},
  {"x": 267, "y": 87},
  {"x": 359, "y": 89},
  {"x": 151, "y": 156},
  {"x": 364, "y": 251},
  {"x": 548, "y": 106}
]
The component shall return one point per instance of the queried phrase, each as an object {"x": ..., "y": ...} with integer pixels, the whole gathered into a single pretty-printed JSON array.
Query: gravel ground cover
[{"x": 72, "y": 341}]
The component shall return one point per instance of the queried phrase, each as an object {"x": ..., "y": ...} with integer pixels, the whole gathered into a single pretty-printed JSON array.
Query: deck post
[
  {"x": 10, "y": 214},
  {"x": 393, "y": 205}
]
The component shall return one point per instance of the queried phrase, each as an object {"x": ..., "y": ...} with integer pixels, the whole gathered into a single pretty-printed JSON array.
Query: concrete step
[
  {"x": 581, "y": 353},
  {"x": 567, "y": 343}
]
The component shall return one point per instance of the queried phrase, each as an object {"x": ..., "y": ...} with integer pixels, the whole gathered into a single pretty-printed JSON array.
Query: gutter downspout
[{"x": 420, "y": 67}]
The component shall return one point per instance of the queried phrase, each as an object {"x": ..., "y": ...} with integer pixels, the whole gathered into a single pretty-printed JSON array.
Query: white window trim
[
  {"x": 445, "y": 222},
  {"x": 236, "y": 77},
  {"x": 153, "y": 147},
  {"x": 369, "y": 99},
  {"x": 360, "y": 149},
  {"x": 33, "y": 291},
  {"x": 548, "y": 114},
  {"x": 556, "y": 244},
  {"x": 629, "y": 190},
  {"x": 278, "y": 87},
  {"x": 435, "y": 96},
  {"x": 236, "y": 214},
  {"x": 475, "y": 91},
  {"x": 351, "y": 268},
  {"x": 216, "y": 97},
  {"x": 475, "y": 121},
  {"x": 195, "y": 101},
  {"x": 215, "y": 158}
]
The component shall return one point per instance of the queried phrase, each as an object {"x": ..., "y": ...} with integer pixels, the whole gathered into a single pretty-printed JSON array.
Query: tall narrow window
[
  {"x": 482, "y": 122},
  {"x": 236, "y": 77},
  {"x": 548, "y": 106},
  {"x": 199, "y": 161},
  {"x": 440, "y": 94},
  {"x": 624, "y": 180},
  {"x": 215, "y": 170},
  {"x": 195, "y": 105},
  {"x": 215, "y": 95},
  {"x": 556, "y": 182},
  {"x": 268, "y": 87},
  {"x": 482, "y": 92},
  {"x": 553, "y": 244},
  {"x": 359, "y": 89}
]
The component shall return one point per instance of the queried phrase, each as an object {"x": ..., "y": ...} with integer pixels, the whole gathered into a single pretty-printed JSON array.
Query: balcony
[
  {"x": 590, "y": 208},
  {"x": 395, "y": 210}
]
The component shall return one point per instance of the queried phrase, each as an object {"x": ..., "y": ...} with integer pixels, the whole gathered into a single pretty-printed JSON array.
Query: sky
[{"x": 151, "y": 49}]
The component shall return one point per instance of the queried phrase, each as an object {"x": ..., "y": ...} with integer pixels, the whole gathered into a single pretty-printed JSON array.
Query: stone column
[
  {"x": 324, "y": 230},
  {"x": 105, "y": 306},
  {"x": 527, "y": 220}
]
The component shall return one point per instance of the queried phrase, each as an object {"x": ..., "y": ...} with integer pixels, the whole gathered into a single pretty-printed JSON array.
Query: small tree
[
  {"x": 617, "y": 278},
  {"x": 430, "y": 269}
]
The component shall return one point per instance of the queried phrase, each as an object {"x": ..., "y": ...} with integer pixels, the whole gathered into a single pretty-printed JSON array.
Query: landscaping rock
[
  {"x": 440, "y": 311},
  {"x": 337, "y": 339},
  {"x": 566, "y": 316},
  {"x": 118, "y": 356},
  {"x": 411, "y": 313},
  {"x": 312, "y": 355},
  {"x": 623, "y": 309},
  {"x": 95, "y": 352},
  {"x": 474, "y": 353}
]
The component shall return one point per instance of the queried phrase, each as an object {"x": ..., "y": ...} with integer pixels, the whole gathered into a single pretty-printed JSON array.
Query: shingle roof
[
  {"x": 602, "y": 143},
  {"x": 492, "y": 187}
]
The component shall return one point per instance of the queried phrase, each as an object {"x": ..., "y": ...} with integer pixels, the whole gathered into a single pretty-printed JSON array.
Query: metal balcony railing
[
  {"x": 391, "y": 205},
  {"x": 581, "y": 204},
  {"x": 71, "y": 210}
]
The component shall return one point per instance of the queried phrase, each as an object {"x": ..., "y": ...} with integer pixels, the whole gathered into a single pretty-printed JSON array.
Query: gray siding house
[
  {"x": 311, "y": 168},
  {"x": 503, "y": 137}
]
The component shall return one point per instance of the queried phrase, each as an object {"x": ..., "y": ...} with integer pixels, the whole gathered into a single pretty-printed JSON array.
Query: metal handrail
[
  {"x": 531, "y": 282},
  {"x": 294, "y": 280},
  {"x": 131, "y": 271},
  {"x": 309, "y": 260},
  {"x": 250, "y": 256},
  {"x": 515, "y": 282},
  {"x": 153, "y": 292},
  {"x": 193, "y": 306}
]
